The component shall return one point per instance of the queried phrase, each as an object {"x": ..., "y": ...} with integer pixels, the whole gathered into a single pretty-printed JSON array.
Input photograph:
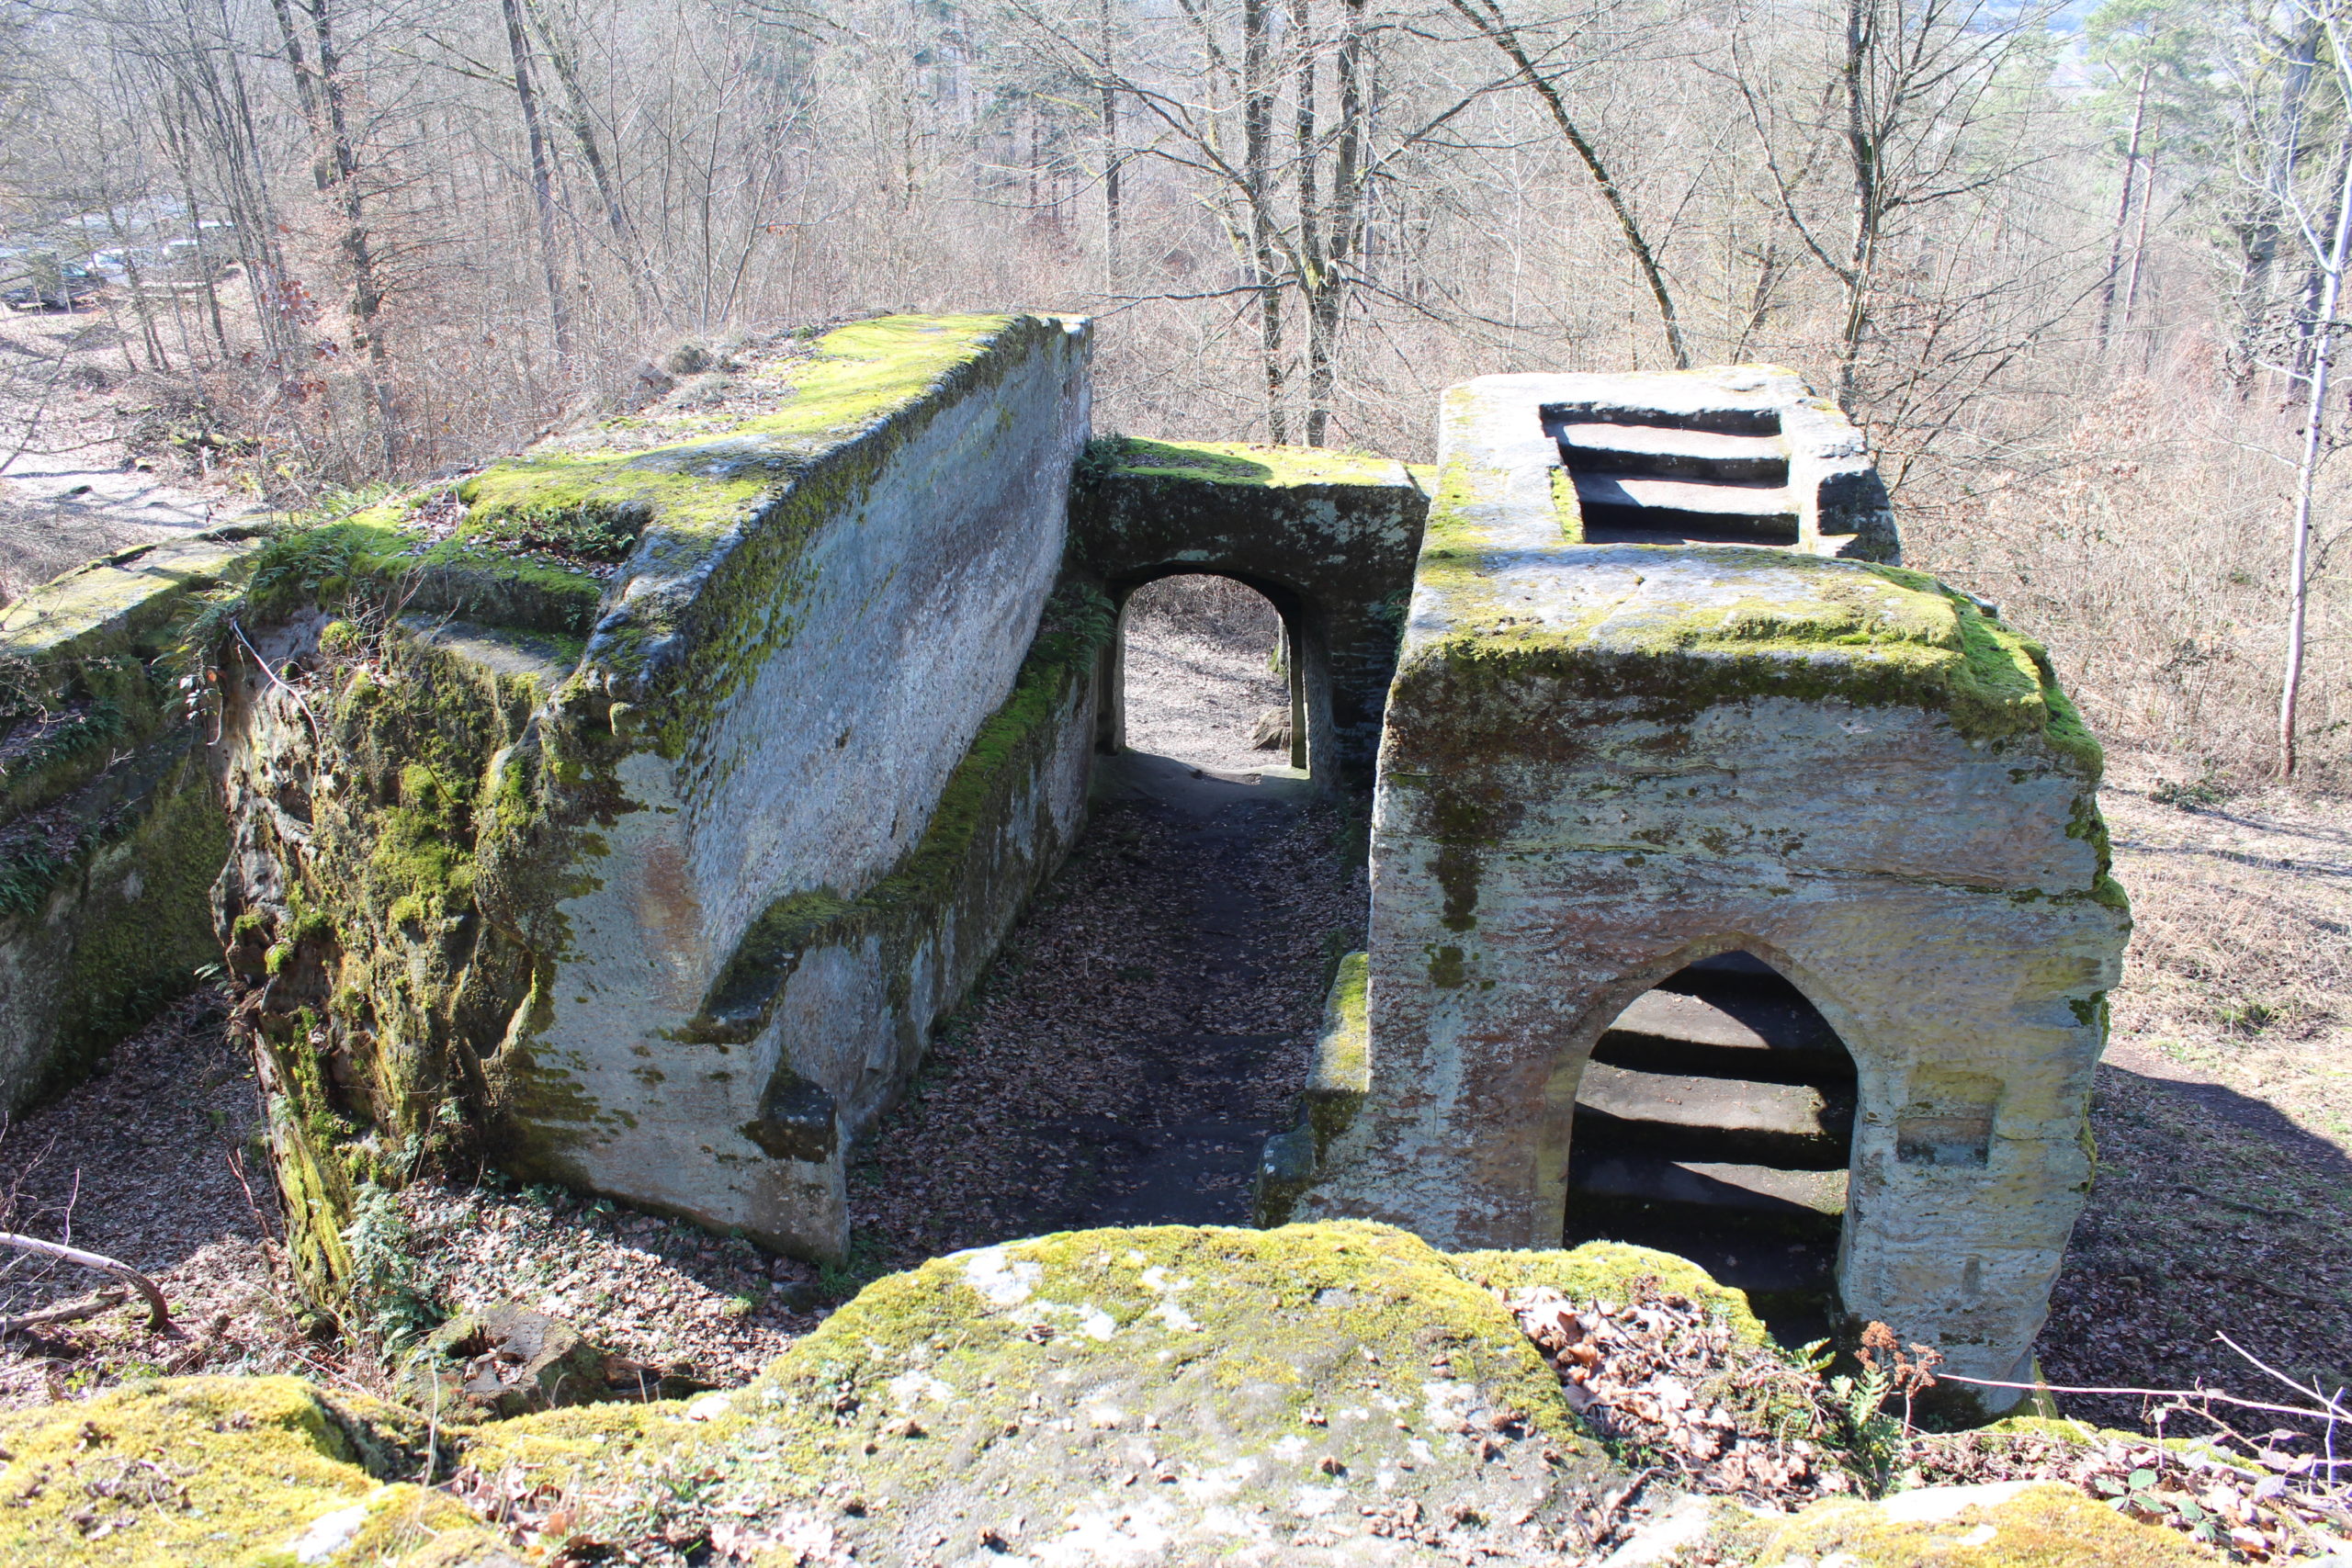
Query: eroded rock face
[{"x": 667, "y": 912}]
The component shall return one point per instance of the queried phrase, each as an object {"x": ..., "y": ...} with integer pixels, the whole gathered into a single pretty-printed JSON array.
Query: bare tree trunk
[
  {"x": 1110, "y": 146},
  {"x": 2139, "y": 240},
  {"x": 1342, "y": 227},
  {"x": 1486, "y": 16},
  {"x": 2123, "y": 212},
  {"x": 1315, "y": 269},
  {"x": 1257, "y": 156},
  {"x": 1863, "y": 142},
  {"x": 2299, "y": 533},
  {"x": 358, "y": 249},
  {"x": 2258, "y": 236},
  {"x": 306, "y": 92},
  {"x": 557, "y": 47},
  {"x": 542, "y": 196}
]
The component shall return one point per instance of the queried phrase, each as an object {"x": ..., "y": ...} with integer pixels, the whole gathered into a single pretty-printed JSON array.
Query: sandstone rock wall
[{"x": 665, "y": 914}]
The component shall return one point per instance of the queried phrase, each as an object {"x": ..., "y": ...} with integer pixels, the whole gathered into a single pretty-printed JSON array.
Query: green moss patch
[
  {"x": 1235, "y": 463},
  {"x": 2044, "y": 1526},
  {"x": 597, "y": 496},
  {"x": 1699, "y": 626}
]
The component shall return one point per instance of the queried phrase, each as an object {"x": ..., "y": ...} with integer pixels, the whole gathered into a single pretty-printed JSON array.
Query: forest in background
[{"x": 2073, "y": 270}]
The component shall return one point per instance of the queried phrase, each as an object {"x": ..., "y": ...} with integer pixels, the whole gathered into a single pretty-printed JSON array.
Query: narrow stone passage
[{"x": 1145, "y": 1029}]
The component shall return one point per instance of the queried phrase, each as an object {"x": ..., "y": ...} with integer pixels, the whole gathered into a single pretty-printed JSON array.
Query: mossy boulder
[
  {"x": 110, "y": 835},
  {"x": 211, "y": 1471},
  {"x": 1323, "y": 1394},
  {"x": 1185, "y": 1394}
]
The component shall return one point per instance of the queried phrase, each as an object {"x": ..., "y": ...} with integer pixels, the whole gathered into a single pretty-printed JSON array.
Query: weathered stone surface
[
  {"x": 1327, "y": 537},
  {"x": 110, "y": 832},
  {"x": 1336, "y": 1393},
  {"x": 506, "y": 1361},
  {"x": 1313, "y": 1394},
  {"x": 1603, "y": 762}
]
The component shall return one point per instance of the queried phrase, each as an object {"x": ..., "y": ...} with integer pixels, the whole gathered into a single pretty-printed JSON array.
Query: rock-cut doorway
[
  {"x": 1715, "y": 1120},
  {"x": 1204, "y": 676}
]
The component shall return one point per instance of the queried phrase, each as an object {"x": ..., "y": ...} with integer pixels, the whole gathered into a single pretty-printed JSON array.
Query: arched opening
[
  {"x": 1207, "y": 675},
  {"x": 1715, "y": 1120}
]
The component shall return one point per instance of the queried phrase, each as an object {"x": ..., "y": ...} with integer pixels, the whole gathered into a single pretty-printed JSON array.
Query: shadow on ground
[{"x": 2213, "y": 1214}]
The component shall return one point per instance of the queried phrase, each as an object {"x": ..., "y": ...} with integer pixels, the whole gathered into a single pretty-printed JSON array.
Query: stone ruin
[{"x": 627, "y": 812}]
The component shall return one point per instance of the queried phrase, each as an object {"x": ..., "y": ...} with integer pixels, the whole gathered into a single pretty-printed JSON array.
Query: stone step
[
  {"x": 1741, "y": 1015},
  {"x": 1599, "y": 1134},
  {"x": 1708, "y": 1184},
  {"x": 1697, "y": 498},
  {"x": 1632, "y": 1104},
  {"x": 1660, "y": 451},
  {"x": 1683, "y": 511}
]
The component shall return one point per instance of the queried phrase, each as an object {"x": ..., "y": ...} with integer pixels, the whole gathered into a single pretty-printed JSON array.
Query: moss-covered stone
[
  {"x": 1610, "y": 1271},
  {"x": 1329, "y": 536},
  {"x": 1337, "y": 1080},
  {"x": 109, "y": 834},
  {"x": 1317, "y": 1393},
  {"x": 2041, "y": 1525},
  {"x": 393, "y": 887},
  {"x": 1686, "y": 629},
  {"x": 429, "y": 823},
  {"x": 209, "y": 1470},
  {"x": 1236, "y": 463}
]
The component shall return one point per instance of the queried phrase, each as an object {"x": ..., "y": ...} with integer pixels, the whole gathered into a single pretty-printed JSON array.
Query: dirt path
[
  {"x": 70, "y": 487},
  {"x": 1146, "y": 1029},
  {"x": 2222, "y": 1111}
]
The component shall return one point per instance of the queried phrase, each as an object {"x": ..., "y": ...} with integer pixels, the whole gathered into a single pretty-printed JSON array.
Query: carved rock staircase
[
  {"x": 1651, "y": 477},
  {"x": 1715, "y": 1121}
]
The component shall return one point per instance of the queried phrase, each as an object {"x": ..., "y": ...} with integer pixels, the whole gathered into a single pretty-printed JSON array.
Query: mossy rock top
[
  {"x": 110, "y": 604},
  {"x": 1715, "y": 622},
  {"x": 696, "y": 468},
  {"x": 1323, "y": 1394},
  {"x": 1240, "y": 463}
]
